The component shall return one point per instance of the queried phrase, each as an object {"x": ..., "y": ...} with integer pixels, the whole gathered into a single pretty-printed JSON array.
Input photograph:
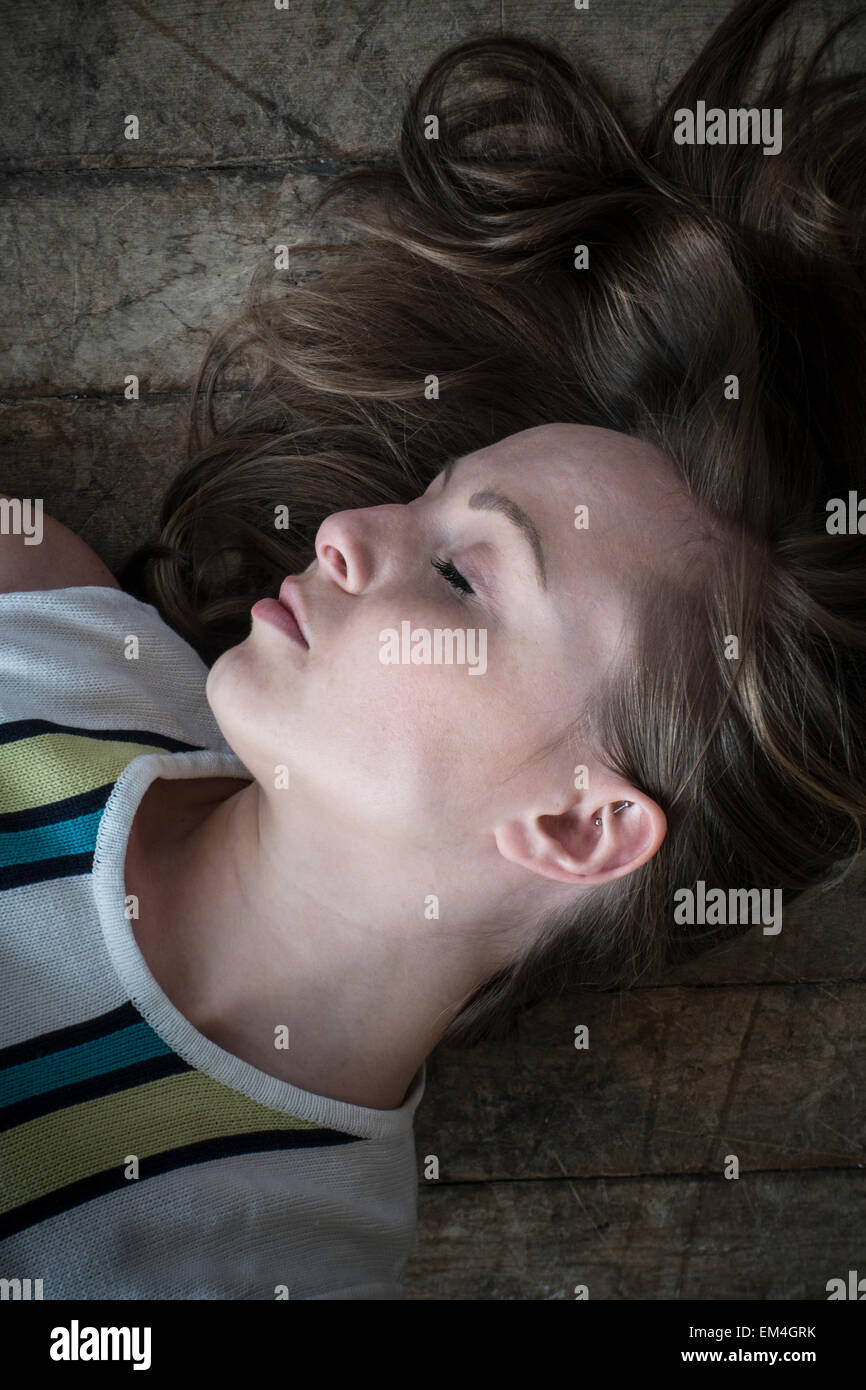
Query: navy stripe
[
  {"x": 71, "y": 1036},
  {"x": 112, "y": 1179},
  {"x": 37, "y": 870},
  {"x": 53, "y": 811},
  {"x": 27, "y": 728},
  {"x": 106, "y": 1084}
]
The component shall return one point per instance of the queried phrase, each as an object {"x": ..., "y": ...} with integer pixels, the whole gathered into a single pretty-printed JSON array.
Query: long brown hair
[{"x": 705, "y": 264}]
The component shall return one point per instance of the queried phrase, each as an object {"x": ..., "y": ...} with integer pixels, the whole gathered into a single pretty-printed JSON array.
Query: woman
[{"x": 572, "y": 411}]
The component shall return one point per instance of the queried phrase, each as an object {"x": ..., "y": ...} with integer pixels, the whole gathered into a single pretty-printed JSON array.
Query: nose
[
  {"x": 350, "y": 544},
  {"x": 338, "y": 550}
]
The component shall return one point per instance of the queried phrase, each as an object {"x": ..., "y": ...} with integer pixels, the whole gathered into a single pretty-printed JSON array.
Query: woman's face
[{"x": 423, "y": 752}]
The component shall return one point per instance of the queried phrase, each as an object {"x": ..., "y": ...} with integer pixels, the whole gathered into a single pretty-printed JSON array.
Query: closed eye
[{"x": 453, "y": 576}]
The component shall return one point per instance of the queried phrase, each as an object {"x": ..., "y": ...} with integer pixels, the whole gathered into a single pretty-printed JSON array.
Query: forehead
[
  {"x": 632, "y": 493},
  {"x": 639, "y": 522}
]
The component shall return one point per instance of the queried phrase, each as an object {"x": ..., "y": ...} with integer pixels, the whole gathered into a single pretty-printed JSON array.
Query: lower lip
[{"x": 270, "y": 611}]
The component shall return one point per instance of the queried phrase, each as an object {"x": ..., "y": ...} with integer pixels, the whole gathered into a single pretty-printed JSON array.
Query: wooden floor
[{"x": 557, "y": 1167}]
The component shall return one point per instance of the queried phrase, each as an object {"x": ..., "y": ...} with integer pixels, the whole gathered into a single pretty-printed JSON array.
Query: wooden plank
[
  {"x": 766, "y": 1236},
  {"x": 822, "y": 938},
  {"x": 100, "y": 466},
  {"x": 217, "y": 82},
  {"x": 235, "y": 83},
  {"x": 673, "y": 1080},
  {"x": 108, "y": 275}
]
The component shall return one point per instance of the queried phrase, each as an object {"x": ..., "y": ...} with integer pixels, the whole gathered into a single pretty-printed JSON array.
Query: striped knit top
[{"x": 138, "y": 1159}]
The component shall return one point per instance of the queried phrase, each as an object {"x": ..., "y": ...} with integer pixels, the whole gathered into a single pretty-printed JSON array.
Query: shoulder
[{"x": 38, "y": 552}]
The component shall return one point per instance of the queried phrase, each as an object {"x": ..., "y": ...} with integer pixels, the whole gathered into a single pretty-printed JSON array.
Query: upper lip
[{"x": 290, "y": 598}]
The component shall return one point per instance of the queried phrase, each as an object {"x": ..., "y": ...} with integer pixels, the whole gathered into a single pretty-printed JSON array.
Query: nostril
[{"x": 334, "y": 557}]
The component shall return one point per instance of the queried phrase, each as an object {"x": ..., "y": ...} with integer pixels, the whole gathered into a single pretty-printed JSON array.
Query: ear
[{"x": 568, "y": 845}]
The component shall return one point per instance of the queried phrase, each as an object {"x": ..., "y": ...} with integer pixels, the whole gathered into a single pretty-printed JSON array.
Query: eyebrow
[{"x": 489, "y": 500}]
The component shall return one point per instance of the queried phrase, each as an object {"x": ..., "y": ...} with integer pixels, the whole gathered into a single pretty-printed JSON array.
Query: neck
[{"x": 252, "y": 922}]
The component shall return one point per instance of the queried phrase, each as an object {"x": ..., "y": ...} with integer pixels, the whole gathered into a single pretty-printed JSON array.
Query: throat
[
  {"x": 163, "y": 920},
  {"x": 201, "y": 955}
]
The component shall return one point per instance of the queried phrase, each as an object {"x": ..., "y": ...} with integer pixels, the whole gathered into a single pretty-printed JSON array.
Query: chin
[{"x": 228, "y": 689}]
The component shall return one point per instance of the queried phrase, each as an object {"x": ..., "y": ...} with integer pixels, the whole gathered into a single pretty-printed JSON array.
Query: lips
[{"x": 289, "y": 598}]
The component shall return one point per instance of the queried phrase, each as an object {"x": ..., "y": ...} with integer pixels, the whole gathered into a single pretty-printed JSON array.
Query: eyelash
[{"x": 453, "y": 576}]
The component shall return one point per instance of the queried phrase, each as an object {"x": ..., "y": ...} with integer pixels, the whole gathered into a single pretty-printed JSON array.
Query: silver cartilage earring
[{"x": 597, "y": 820}]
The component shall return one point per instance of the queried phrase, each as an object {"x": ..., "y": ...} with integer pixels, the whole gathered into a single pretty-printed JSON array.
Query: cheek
[
  {"x": 393, "y": 745},
  {"x": 396, "y": 738},
  {"x": 430, "y": 743},
  {"x": 374, "y": 740},
  {"x": 431, "y": 740}
]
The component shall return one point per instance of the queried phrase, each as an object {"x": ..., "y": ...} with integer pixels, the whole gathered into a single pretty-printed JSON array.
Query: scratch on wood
[
  {"x": 574, "y": 1194},
  {"x": 724, "y": 1114},
  {"x": 267, "y": 105}
]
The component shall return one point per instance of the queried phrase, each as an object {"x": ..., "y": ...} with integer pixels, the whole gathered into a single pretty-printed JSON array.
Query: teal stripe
[
  {"x": 122, "y": 1048},
  {"x": 75, "y": 836}
]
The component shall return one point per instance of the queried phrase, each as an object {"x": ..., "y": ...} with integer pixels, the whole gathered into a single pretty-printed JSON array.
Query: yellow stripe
[
  {"x": 43, "y": 768},
  {"x": 55, "y": 1150}
]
